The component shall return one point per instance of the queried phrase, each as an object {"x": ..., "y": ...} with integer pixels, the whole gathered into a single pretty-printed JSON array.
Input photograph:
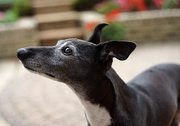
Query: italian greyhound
[{"x": 150, "y": 99}]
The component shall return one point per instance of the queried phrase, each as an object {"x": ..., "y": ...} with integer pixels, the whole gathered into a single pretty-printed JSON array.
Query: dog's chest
[{"x": 96, "y": 115}]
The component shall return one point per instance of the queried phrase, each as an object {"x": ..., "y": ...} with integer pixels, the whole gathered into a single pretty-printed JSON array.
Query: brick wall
[
  {"x": 146, "y": 26},
  {"x": 17, "y": 35}
]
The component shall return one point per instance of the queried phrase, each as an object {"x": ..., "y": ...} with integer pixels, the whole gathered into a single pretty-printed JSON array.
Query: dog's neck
[
  {"x": 103, "y": 98},
  {"x": 98, "y": 99}
]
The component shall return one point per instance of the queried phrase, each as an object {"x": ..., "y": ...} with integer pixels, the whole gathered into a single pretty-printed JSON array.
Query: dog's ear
[
  {"x": 96, "y": 36},
  {"x": 118, "y": 49}
]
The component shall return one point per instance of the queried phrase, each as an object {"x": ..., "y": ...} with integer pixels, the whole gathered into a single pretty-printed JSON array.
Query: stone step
[
  {"x": 57, "y": 20},
  {"x": 50, "y": 6},
  {"x": 50, "y": 37}
]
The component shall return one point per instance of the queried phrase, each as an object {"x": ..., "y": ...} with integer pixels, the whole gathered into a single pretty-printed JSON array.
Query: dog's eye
[{"x": 67, "y": 51}]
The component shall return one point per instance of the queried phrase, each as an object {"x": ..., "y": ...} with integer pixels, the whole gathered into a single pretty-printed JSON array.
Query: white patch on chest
[{"x": 96, "y": 115}]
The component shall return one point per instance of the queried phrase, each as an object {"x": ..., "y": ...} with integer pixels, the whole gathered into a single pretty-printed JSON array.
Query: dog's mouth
[
  {"x": 48, "y": 74},
  {"x": 29, "y": 68}
]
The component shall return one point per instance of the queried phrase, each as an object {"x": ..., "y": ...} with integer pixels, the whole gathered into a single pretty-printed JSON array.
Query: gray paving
[{"x": 28, "y": 99}]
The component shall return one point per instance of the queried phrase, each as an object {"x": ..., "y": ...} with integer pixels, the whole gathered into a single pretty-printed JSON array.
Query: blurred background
[{"x": 27, "y": 99}]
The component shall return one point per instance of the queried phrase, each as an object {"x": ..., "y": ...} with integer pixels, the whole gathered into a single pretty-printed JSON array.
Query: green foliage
[
  {"x": 84, "y": 4},
  {"x": 115, "y": 31},
  {"x": 7, "y": 1},
  {"x": 169, "y": 4},
  {"x": 106, "y": 6},
  {"x": 9, "y": 16},
  {"x": 148, "y": 2},
  {"x": 19, "y": 8}
]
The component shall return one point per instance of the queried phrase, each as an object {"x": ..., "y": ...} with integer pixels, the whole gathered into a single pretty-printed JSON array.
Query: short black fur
[{"x": 150, "y": 99}]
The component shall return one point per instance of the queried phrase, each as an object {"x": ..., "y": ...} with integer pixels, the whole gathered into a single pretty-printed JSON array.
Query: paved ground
[{"x": 28, "y": 99}]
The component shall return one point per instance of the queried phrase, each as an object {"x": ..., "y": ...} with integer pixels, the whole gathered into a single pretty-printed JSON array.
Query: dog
[{"x": 150, "y": 99}]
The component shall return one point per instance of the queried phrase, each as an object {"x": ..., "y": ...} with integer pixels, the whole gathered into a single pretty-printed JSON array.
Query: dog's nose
[{"x": 22, "y": 53}]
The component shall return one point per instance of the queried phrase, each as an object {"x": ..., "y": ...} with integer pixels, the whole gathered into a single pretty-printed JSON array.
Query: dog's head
[{"x": 74, "y": 60}]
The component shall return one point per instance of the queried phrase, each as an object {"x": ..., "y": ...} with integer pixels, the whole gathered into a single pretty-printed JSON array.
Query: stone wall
[
  {"x": 15, "y": 35},
  {"x": 146, "y": 26},
  {"x": 152, "y": 26}
]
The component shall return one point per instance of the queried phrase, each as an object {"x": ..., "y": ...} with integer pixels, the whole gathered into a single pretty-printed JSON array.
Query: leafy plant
[
  {"x": 19, "y": 8},
  {"x": 84, "y": 4},
  {"x": 7, "y": 1},
  {"x": 170, "y": 4},
  {"x": 106, "y": 6},
  {"x": 135, "y": 5},
  {"x": 115, "y": 31},
  {"x": 132, "y": 5},
  {"x": 9, "y": 16}
]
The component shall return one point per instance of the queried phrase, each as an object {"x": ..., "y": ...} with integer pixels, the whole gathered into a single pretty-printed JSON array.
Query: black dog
[{"x": 150, "y": 99}]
